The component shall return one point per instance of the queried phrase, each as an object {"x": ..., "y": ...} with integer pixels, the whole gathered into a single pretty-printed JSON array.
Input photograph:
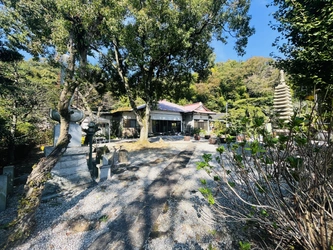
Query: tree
[
  {"x": 260, "y": 76},
  {"x": 56, "y": 29},
  {"x": 7, "y": 55},
  {"x": 25, "y": 101},
  {"x": 161, "y": 43},
  {"x": 306, "y": 41},
  {"x": 242, "y": 84}
]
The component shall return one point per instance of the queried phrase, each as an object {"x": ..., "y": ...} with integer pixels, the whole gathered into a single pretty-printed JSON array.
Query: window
[
  {"x": 129, "y": 123},
  {"x": 200, "y": 124}
]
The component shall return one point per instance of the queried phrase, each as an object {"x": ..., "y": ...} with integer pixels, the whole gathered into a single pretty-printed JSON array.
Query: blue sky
[{"x": 259, "y": 44}]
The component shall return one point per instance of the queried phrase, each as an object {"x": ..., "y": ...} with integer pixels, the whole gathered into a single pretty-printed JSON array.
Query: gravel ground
[{"x": 104, "y": 216}]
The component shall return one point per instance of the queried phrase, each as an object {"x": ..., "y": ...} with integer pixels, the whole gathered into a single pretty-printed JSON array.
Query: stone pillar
[
  {"x": 9, "y": 171},
  {"x": 3, "y": 192}
]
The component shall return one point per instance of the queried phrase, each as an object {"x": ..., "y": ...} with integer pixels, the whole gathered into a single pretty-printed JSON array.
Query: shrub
[{"x": 280, "y": 187}]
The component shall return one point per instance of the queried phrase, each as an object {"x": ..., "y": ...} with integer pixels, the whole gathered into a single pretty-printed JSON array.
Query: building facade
[{"x": 167, "y": 119}]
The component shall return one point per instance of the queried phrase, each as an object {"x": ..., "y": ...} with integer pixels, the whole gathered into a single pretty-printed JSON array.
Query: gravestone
[
  {"x": 123, "y": 156},
  {"x": 3, "y": 192},
  {"x": 9, "y": 171},
  {"x": 104, "y": 169},
  {"x": 108, "y": 158}
]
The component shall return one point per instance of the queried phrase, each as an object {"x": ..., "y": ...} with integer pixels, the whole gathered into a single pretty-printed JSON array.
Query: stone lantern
[{"x": 283, "y": 107}]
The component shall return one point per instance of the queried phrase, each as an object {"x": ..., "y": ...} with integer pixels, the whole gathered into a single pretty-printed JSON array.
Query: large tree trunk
[
  {"x": 144, "y": 119},
  {"x": 11, "y": 141},
  {"x": 41, "y": 172},
  {"x": 25, "y": 220}
]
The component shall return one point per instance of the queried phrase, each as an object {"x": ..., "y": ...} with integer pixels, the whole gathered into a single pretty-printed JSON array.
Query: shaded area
[{"x": 133, "y": 227}]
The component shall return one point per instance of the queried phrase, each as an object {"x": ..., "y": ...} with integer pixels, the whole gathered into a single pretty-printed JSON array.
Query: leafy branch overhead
[
  {"x": 306, "y": 42},
  {"x": 159, "y": 45}
]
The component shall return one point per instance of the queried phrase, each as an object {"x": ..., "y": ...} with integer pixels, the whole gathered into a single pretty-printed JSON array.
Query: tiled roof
[
  {"x": 172, "y": 107},
  {"x": 123, "y": 109},
  {"x": 218, "y": 116},
  {"x": 197, "y": 107},
  {"x": 168, "y": 106}
]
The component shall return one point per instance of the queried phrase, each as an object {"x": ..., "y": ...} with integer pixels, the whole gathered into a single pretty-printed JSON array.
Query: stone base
[
  {"x": 71, "y": 172},
  {"x": 103, "y": 172}
]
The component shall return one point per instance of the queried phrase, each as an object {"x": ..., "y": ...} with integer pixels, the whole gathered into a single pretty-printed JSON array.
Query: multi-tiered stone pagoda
[{"x": 283, "y": 107}]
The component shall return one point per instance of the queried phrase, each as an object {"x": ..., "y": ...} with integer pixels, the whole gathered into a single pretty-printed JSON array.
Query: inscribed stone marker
[
  {"x": 9, "y": 171},
  {"x": 3, "y": 192}
]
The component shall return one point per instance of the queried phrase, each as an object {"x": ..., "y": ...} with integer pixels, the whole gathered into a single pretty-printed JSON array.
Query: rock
[{"x": 79, "y": 224}]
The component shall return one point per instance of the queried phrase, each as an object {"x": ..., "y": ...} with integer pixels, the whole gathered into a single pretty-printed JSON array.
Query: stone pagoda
[{"x": 283, "y": 107}]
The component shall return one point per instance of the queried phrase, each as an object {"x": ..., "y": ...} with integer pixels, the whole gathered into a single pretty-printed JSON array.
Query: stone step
[{"x": 71, "y": 163}]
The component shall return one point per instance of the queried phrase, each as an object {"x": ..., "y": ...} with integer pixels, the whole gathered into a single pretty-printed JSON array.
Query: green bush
[{"x": 280, "y": 187}]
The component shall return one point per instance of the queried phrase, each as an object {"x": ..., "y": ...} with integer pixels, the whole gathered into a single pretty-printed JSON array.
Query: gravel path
[{"x": 155, "y": 204}]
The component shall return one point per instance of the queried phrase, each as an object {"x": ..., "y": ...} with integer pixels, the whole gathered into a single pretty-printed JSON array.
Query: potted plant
[
  {"x": 202, "y": 133},
  {"x": 196, "y": 132},
  {"x": 187, "y": 138},
  {"x": 213, "y": 138}
]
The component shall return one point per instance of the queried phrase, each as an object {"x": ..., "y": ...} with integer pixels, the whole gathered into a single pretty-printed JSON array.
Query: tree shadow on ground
[
  {"x": 53, "y": 213},
  {"x": 132, "y": 228}
]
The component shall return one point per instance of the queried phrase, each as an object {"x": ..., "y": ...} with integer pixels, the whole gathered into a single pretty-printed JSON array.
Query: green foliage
[
  {"x": 207, "y": 193},
  {"x": 306, "y": 42},
  {"x": 251, "y": 83},
  {"x": 220, "y": 149},
  {"x": 103, "y": 218},
  {"x": 210, "y": 247},
  {"x": 196, "y": 131},
  {"x": 203, "y": 181},
  {"x": 220, "y": 128},
  {"x": 155, "y": 54},
  {"x": 24, "y": 106},
  {"x": 244, "y": 245},
  {"x": 65, "y": 33},
  {"x": 265, "y": 182}
]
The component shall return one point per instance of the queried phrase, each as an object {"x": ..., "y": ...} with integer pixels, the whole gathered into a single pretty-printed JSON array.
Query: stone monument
[
  {"x": 283, "y": 107},
  {"x": 74, "y": 129},
  {"x": 71, "y": 171}
]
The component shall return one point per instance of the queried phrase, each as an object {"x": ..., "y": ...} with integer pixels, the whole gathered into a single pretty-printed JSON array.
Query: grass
[
  {"x": 103, "y": 218},
  {"x": 142, "y": 145}
]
